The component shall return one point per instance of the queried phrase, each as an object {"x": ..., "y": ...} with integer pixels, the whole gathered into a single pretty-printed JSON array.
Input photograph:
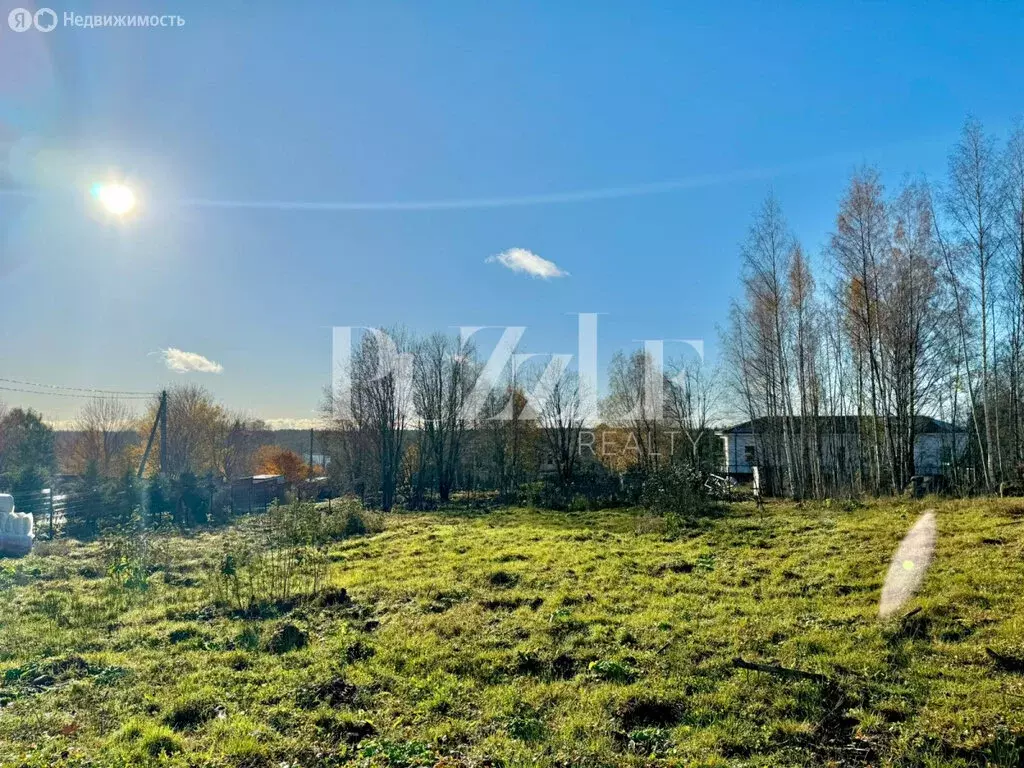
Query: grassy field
[{"x": 523, "y": 637}]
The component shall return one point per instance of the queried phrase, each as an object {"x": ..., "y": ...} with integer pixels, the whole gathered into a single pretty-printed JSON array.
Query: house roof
[{"x": 840, "y": 424}]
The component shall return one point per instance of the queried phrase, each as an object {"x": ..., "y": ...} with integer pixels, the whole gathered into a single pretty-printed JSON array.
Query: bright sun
[{"x": 115, "y": 198}]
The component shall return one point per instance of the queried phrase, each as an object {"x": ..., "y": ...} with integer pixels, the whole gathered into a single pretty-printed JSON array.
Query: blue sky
[{"x": 384, "y": 103}]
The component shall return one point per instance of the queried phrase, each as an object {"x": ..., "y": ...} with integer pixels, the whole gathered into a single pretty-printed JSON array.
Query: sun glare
[{"x": 115, "y": 198}]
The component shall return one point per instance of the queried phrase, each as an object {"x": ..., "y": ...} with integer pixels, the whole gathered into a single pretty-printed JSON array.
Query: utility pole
[
  {"x": 163, "y": 432},
  {"x": 161, "y": 422}
]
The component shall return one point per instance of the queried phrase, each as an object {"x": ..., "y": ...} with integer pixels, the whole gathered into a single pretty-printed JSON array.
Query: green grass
[{"x": 523, "y": 637}]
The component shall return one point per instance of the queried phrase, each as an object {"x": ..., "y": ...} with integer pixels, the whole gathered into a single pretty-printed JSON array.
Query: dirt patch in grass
[
  {"x": 675, "y": 566},
  {"x": 191, "y": 712},
  {"x": 333, "y": 692},
  {"x": 511, "y": 603},
  {"x": 183, "y": 634},
  {"x": 345, "y": 728},
  {"x": 503, "y": 579},
  {"x": 513, "y": 557},
  {"x": 565, "y": 666},
  {"x": 649, "y": 711},
  {"x": 359, "y": 651},
  {"x": 285, "y": 638},
  {"x": 332, "y": 598}
]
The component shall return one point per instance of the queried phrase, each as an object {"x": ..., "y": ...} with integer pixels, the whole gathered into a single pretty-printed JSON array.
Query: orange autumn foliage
[{"x": 274, "y": 460}]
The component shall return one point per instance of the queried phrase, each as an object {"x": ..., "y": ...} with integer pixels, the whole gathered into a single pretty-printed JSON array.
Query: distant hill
[{"x": 294, "y": 440}]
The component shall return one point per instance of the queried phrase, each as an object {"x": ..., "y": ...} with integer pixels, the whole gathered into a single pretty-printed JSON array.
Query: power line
[
  {"x": 78, "y": 389},
  {"x": 71, "y": 394}
]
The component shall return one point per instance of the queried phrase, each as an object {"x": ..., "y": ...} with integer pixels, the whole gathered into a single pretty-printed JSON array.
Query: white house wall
[{"x": 932, "y": 451}]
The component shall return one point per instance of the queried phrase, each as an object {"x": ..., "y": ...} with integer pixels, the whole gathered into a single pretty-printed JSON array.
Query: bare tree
[
  {"x": 1013, "y": 231},
  {"x": 760, "y": 343},
  {"x": 562, "y": 416},
  {"x": 635, "y": 402},
  {"x": 972, "y": 202},
  {"x": 505, "y": 430},
  {"x": 197, "y": 429},
  {"x": 244, "y": 438},
  {"x": 951, "y": 260},
  {"x": 800, "y": 294},
  {"x": 371, "y": 413},
  {"x": 444, "y": 373},
  {"x": 859, "y": 247},
  {"x": 915, "y": 324},
  {"x": 106, "y": 431},
  {"x": 692, "y": 400}
]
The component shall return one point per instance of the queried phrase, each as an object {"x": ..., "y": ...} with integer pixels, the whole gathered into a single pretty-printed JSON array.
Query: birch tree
[{"x": 973, "y": 206}]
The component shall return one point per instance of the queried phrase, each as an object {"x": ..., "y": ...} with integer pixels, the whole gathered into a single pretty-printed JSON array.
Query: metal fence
[
  {"x": 49, "y": 508},
  {"x": 252, "y": 494}
]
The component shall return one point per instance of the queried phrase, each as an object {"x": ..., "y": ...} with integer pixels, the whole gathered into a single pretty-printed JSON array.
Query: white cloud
[
  {"x": 189, "y": 362},
  {"x": 286, "y": 423},
  {"x": 522, "y": 260}
]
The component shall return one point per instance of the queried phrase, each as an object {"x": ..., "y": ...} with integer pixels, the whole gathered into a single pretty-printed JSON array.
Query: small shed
[{"x": 256, "y": 493}]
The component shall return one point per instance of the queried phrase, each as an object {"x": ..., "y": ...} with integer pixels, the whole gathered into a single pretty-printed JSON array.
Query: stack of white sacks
[{"x": 16, "y": 533}]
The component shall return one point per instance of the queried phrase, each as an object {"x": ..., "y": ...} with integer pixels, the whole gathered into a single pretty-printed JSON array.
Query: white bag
[{"x": 16, "y": 529}]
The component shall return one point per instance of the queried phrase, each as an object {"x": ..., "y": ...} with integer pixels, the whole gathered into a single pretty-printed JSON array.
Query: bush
[
  {"x": 593, "y": 488},
  {"x": 85, "y": 508},
  {"x": 158, "y": 500},
  {"x": 28, "y": 481},
  {"x": 96, "y": 504},
  {"x": 283, "y": 555},
  {"x": 193, "y": 502},
  {"x": 353, "y": 519},
  {"x": 124, "y": 502},
  {"x": 185, "y": 501},
  {"x": 676, "y": 492}
]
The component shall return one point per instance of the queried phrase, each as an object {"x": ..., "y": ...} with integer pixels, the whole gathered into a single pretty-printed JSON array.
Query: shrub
[
  {"x": 158, "y": 504},
  {"x": 85, "y": 513},
  {"x": 676, "y": 492},
  {"x": 353, "y": 519},
  {"x": 592, "y": 488},
  {"x": 130, "y": 557},
  {"x": 96, "y": 504},
  {"x": 193, "y": 502},
  {"x": 283, "y": 554}
]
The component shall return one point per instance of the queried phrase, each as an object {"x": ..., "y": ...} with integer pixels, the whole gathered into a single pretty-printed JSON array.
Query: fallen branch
[
  {"x": 772, "y": 669},
  {"x": 1006, "y": 663}
]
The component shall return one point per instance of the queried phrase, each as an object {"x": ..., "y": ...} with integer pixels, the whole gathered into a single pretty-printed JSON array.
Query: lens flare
[{"x": 909, "y": 565}]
